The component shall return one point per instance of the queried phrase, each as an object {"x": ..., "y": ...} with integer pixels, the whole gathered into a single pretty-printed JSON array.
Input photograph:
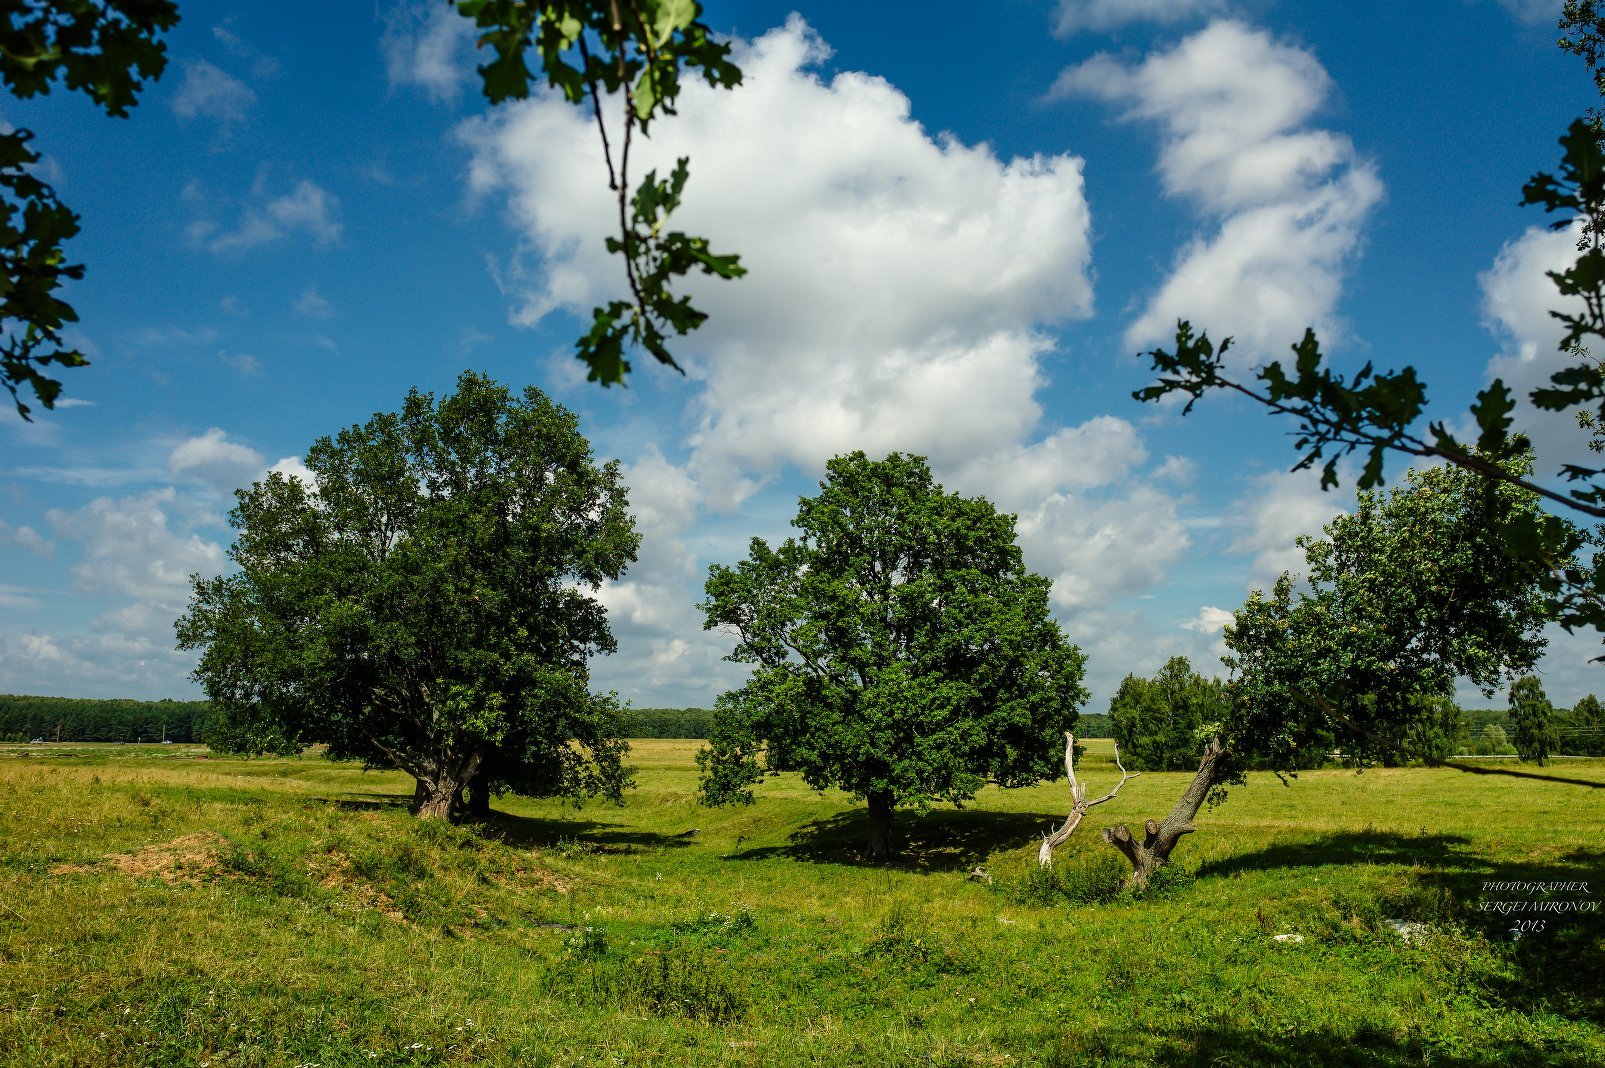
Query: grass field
[{"x": 159, "y": 906}]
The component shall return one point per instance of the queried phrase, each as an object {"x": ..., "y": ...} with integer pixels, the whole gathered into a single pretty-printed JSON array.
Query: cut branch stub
[
  {"x": 1078, "y": 801},
  {"x": 1159, "y": 838}
]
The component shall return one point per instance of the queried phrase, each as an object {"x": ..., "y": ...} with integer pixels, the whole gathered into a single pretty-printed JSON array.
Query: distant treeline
[
  {"x": 77, "y": 719},
  {"x": 667, "y": 722},
  {"x": 1094, "y": 725},
  {"x": 694, "y": 723}
]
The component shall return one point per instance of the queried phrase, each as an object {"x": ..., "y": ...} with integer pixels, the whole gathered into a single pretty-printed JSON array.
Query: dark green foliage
[
  {"x": 424, "y": 605},
  {"x": 686, "y": 982},
  {"x": 1407, "y": 595},
  {"x": 1438, "y": 733},
  {"x": 1094, "y": 725},
  {"x": 1163, "y": 723},
  {"x": 107, "y": 50},
  {"x": 1491, "y": 740},
  {"x": 1582, "y": 730},
  {"x": 74, "y": 719},
  {"x": 1092, "y": 878},
  {"x": 667, "y": 722},
  {"x": 1532, "y": 720},
  {"x": 589, "y": 49},
  {"x": 901, "y": 650}
]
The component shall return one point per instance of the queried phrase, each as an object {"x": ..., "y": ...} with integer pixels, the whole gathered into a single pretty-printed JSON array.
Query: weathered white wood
[{"x": 1078, "y": 801}]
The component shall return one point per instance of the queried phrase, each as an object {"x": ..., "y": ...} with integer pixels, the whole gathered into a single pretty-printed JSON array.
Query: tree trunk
[
  {"x": 1152, "y": 852},
  {"x": 880, "y": 826},
  {"x": 441, "y": 799}
]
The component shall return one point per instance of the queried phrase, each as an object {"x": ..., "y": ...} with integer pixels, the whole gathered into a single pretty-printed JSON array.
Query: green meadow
[{"x": 163, "y": 906}]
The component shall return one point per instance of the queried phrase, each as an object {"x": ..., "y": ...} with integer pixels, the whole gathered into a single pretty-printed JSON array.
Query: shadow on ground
[
  {"x": 1174, "y": 1044},
  {"x": 940, "y": 840},
  {"x": 1557, "y": 966},
  {"x": 1475, "y": 769},
  {"x": 533, "y": 832}
]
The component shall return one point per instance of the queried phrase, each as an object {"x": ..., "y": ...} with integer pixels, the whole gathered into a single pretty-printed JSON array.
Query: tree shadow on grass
[
  {"x": 1440, "y": 851},
  {"x": 534, "y": 832},
  {"x": 1446, "y": 860},
  {"x": 369, "y": 801},
  {"x": 1475, "y": 769},
  {"x": 1556, "y": 965},
  {"x": 939, "y": 840},
  {"x": 1174, "y": 1043}
]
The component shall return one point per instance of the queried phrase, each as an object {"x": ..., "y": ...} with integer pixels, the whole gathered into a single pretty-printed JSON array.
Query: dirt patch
[
  {"x": 189, "y": 858},
  {"x": 539, "y": 880},
  {"x": 332, "y": 870}
]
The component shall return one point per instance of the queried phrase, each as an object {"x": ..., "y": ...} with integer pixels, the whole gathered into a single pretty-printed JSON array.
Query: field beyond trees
[{"x": 163, "y": 906}]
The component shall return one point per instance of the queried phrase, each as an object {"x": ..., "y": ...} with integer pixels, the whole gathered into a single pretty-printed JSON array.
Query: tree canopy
[
  {"x": 1532, "y": 720},
  {"x": 1404, "y": 597},
  {"x": 1163, "y": 723},
  {"x": 901, "y": 650},
  {"x": 423, "y": 602},
  {"x": 1407, "y": 595}
]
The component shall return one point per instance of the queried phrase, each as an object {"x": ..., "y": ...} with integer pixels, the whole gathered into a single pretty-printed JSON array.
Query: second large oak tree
[{"x": 901, "y": 650}]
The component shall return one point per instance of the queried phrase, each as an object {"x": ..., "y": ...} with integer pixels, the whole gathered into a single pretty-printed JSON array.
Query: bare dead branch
[{"x": 1078, "y": 801}]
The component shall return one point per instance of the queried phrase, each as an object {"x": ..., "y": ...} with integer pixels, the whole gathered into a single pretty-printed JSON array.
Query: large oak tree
[
  {"x": 425, "y": 601},
  {"x": 901, "y": 650}
]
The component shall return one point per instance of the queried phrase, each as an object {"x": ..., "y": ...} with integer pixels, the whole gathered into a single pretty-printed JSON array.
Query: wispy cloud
[
  {"x": 208, "y": 92},
  {"x": 1076, "y": 16},
  {"x": 430, "y": 46},
  {"x": 307, "y": 209}
]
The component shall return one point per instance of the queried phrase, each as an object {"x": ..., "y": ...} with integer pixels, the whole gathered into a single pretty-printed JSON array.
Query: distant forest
[
  {"x": 77, "y": 719},
  {"x": 74, "y": 719}
]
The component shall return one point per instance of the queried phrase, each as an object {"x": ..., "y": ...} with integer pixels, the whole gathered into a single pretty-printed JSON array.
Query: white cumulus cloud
[
  {"x": 891, "y": 269},
  {"x": 1518, "y": 297},
  {"x": 1269, "y": 520},
  {"x": 215, "y": 461},
  {"x": 1285, "y": 204},
  {"x": 430, "y": 46}
]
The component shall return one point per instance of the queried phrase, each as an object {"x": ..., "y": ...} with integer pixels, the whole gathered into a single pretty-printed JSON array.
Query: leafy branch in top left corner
[
  {"x": 591, "y": 49},
  {"x": 107, "y": 50}
]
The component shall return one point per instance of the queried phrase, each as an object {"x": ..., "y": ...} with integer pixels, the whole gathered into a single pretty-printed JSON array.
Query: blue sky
[{"x": 962, "y": 222}]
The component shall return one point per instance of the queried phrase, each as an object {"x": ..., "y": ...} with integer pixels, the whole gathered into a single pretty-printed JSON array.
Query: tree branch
[{"x": 1078, "y": 801}]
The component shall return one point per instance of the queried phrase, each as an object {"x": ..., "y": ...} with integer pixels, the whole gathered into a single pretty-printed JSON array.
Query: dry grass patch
[{"x": 189, "y": 858}]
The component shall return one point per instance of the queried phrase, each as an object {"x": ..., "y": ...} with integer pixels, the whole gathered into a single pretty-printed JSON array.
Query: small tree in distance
[
  {"x": 1532, "y": 720},
  {"x": 1163, "y": 723},
  {"x": 1583, "y": 731},
  {"x": 423, "y": 603},
  {"x": 901, "y": 650}
]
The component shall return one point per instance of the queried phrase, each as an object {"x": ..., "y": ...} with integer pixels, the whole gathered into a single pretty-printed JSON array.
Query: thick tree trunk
[
  {"x": 1152, "y": 851},
  {"x": 880, "y": 826},
  {"x": 441, "y": 798}
]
